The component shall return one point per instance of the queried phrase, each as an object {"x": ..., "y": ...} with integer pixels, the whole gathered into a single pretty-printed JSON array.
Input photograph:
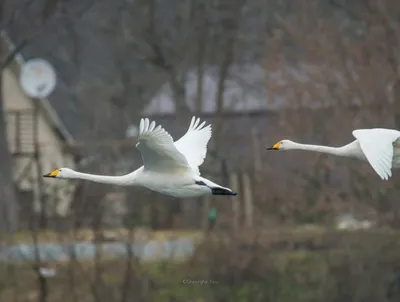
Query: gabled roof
[{"x": 48, "y": 111}]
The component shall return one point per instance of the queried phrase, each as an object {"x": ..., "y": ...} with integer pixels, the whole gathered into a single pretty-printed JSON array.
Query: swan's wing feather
[
  {"x": 377, "y": 145},
  {"x": 193, "y": 145},
  {"x": 157, "y": 147}
]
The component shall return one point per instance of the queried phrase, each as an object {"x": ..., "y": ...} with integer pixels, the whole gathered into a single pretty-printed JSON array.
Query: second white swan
[
  {"x": 380, "y": 147},
  {"x": 169, "y": 168}
]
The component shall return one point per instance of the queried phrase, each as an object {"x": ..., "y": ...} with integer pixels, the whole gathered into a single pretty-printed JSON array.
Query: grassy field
[
  {"x": 140, "y": 235},
  {"x": 281, "y": 265},
  {"x": 89, "y": 235}
]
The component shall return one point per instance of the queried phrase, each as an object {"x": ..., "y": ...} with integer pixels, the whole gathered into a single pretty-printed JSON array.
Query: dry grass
[
  {"x": 83, "y": 280},
  {"x": 48, "y": 236}
]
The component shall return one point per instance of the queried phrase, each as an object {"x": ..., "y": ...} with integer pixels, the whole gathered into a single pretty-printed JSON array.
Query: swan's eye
[{"x": 60, "y": 170}]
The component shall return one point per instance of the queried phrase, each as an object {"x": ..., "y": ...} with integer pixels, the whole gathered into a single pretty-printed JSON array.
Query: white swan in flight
[
  {"x": 380, "y": 147},
  {"x": 169, "y": 168}
]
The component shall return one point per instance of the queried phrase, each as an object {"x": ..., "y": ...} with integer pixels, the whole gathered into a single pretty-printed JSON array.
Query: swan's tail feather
[
  {"x": 222, "y": 191},
  {"x": 215, "y": 189}
]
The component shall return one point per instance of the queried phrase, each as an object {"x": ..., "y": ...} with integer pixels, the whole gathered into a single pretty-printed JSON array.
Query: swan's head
[
  {"x": 61, "y": 173},
  {"x": 283, "y": 145}
]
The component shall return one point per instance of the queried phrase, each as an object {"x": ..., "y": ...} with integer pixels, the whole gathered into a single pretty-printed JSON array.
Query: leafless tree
[{"x": 322, "y": 62}]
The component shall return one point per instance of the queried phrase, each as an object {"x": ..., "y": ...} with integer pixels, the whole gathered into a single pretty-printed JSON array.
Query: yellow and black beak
[
  {"x": 52, "y": 174},
  {"x": 275, "y": 147}
]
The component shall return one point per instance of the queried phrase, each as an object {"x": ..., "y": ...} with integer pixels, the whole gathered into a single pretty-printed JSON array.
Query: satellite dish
[{"x": 37, "y": 78}]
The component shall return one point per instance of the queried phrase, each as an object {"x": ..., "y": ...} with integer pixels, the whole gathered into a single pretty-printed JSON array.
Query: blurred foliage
[{"x": 279, "y": 266}]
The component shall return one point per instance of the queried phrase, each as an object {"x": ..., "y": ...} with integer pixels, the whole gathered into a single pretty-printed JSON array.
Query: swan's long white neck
[
  {"x": 340, "y": 151},
  {"x": 127, "y": 180}
]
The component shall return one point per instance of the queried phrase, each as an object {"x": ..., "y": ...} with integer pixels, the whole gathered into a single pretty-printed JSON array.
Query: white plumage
[
  {"x": 169, "y": 168},
  {"x": 194, "y": 143},
  {"x": 377, "y": 146},
  {"x": 159, "y": 151},
  {"x": 380, "y": 147}
]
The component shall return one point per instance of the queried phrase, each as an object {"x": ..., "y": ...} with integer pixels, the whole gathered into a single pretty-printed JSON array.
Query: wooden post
[
  {"x": 153, "y": 217},
  {"x": 396, "y": 104},
  {"x": 234, "y": 185},
  {"x": 39, "y": 172},
  {"x": 146, "y": 212},
  {"x": 17, "y": 120},
  {"x": 257, "y": 162},
  {"x": 248, "y": 200},
  {"x": 206, "y": 207}
]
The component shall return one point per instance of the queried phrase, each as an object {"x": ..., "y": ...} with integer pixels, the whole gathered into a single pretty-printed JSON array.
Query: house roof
[
  {"x": 244, "y": 91},
  {"x": 251, "y": 87},
  {"x": 49, "y": 113}
]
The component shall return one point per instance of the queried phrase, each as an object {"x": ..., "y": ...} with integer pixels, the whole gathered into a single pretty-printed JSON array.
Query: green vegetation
[{"x": 280, "y": 266}]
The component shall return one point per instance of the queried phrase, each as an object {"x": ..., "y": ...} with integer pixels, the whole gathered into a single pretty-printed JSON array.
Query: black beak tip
[
  {"x": 270, "y": 148},
  {"x": 46, "y": 175}
]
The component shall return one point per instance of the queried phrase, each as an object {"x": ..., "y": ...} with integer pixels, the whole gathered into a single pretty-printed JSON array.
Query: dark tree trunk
[
  {"x": 396, "y": 93},
  {"x": 8, "y": 200}
]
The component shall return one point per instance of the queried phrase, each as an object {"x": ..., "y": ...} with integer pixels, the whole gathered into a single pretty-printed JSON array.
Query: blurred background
[{"x": 304, "y": 227}]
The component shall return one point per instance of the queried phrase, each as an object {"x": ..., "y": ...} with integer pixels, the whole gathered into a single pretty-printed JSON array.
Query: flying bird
[
  {"x": 380, "y": 147},
  {"x": 169, "y": 167}
]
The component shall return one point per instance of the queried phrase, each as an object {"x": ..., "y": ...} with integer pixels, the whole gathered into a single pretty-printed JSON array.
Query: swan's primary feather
[
  {"x": 377, "y": 145},
  {"x": 193, "y": 145},
  {"x": 160, "y": 153},
  {"x": 158, "y": 150}
]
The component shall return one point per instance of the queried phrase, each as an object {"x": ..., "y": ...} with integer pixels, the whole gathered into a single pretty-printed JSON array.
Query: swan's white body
[
  {"x": 169, "y": 168},
  {"x": 380, "y": 147}
]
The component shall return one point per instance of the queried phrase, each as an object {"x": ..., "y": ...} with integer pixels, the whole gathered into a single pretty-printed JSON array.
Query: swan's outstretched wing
[
  {"x": 193, "y": 145},
  {"x": 377, "y": 145},
  {"x": 158, "y": 150}
]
